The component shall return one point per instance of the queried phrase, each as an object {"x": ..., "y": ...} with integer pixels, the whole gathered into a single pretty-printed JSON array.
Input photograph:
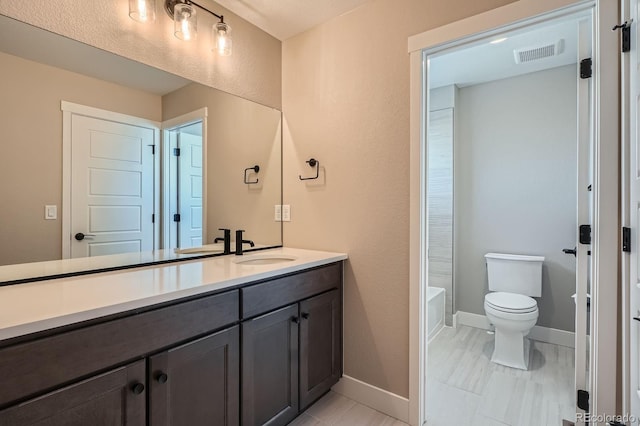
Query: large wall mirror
[{"x": 109, "y": 163}]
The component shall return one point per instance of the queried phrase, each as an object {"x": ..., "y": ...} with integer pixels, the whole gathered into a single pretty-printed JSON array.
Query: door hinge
[
  {"x": 583, "y": 400},
  {"x": 625, "y": 34},
  {"x": 626, "y": 239},
  {"x": 176, "y": 152},
  {"x": 586, "y": 68},
  {"x": 153, "y": 218},
  {"x": 176, "y": 217},
  {"x": 585, "y": 234}
]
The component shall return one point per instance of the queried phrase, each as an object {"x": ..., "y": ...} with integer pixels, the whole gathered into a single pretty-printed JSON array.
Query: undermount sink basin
[{"x": 264, "y": 259}]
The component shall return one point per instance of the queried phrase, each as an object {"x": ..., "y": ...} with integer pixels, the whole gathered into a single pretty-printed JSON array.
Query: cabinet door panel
[
  {"x": 201, "y": 382},
  {"x": 270, "y": 368},
  {"x": 320, "y": 345},
  {"x": 107, "y": 399}
]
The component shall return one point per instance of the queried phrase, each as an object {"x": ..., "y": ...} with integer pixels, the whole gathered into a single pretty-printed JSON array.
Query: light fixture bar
[{"x": 169, "y": 6}]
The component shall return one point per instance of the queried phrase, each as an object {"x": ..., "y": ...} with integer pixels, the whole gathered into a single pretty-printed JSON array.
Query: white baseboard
[
  {"x": 541, "y": 334},
  {"x": 379, "y": 399}
]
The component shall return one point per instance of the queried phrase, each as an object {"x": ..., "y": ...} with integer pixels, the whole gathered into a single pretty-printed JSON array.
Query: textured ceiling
[{"x": 286, "y": 18}]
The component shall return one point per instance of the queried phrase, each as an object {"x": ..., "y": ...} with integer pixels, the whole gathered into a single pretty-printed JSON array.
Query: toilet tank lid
[{"x": 520, "y": 257}]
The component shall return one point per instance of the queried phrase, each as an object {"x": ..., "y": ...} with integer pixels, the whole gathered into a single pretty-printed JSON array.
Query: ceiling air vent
[{"x": 536, "y": 53}]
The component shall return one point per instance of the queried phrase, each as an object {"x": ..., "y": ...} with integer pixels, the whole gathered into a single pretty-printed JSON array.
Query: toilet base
[{"x": 511, "y": 349}]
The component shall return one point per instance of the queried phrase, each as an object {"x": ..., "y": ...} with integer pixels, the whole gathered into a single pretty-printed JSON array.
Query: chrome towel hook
[
  {"x": 313, "y": 163},
  {"x": 255, "y": 169}
]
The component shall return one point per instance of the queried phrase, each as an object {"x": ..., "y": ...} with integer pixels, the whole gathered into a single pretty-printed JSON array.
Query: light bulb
[
  {"x": 185, "y": 24},
  {"x": 142, "y": 10},
  {"x": 222, "y": 38}
]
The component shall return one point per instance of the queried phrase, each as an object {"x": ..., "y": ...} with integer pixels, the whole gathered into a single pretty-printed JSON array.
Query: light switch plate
[
  {"x": 286, "y": 213},
  {"x": 278, "y": 213},
  {"x": 50, "y": 212}
]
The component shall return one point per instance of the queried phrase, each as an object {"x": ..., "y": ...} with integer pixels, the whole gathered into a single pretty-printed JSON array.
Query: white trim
[
  {"x": 379, "y": 399},
  {"x": 629, "y": 350},
  {"x": 104, "y": 114},
  {"x": 68, "y": 110},
  {"x": 494, "y": 21},
  {"x": 539, "y": 333},
  {"x": 199, "y": 115}
]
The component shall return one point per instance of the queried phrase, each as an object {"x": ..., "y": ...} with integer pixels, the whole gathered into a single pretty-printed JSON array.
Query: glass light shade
[
  {"x": 142, "y": 10},
  {"x": 222, "y": 38},
  {"x": 184, "y": 21}
]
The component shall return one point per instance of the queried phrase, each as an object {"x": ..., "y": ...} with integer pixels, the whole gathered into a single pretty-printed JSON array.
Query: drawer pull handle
[
  {"x": 305, "y": 315},
  {"x": 137, "y": 389},
  {"x": 162, "y": 378},
  {"x": 295, "y": 320}
]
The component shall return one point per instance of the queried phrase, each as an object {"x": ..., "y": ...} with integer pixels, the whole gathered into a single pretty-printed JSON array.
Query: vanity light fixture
[
  {"x": 183, "y": 13},
  {"x": 185, "y": 24}
]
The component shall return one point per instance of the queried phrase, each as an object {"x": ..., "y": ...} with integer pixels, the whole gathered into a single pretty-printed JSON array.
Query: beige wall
[
  {"x": 346, "y": 103},
  {"x": 31, "y": 164},
  {"x": 253, "y": 71},
  {"x": 240, "y": 134}
]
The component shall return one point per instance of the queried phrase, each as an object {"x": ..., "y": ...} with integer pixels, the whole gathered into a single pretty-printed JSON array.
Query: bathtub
[{"x": 435, "y": 311}]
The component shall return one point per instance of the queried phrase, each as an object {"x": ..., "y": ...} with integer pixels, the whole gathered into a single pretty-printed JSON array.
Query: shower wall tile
[{"x": 440, "y": 205}]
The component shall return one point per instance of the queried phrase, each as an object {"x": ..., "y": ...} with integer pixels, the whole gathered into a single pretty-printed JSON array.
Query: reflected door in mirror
[{"x": 112, "y": 183}]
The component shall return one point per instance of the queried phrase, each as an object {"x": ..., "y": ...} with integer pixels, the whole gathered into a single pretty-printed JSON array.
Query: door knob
[
  {"x": 80, "y": 236},
  {"x": 572, "y": 251}
]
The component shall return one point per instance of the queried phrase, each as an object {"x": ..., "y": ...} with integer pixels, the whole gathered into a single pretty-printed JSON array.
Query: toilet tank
[{"x": 515, "y": 273}]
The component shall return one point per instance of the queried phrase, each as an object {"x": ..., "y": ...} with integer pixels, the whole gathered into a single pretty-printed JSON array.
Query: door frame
[
  {"x": 605, "y": 227},
  {"x": 68, "y": 110},
  {"x": 166, "y": 126}
]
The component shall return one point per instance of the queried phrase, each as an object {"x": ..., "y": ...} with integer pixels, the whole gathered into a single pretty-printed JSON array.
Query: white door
[
  {"x": 634, "y": 218},
  {"x": 584, "y": 218},
  {"x": 190, "y": 190},
  {"x": 112, "y": 187}
]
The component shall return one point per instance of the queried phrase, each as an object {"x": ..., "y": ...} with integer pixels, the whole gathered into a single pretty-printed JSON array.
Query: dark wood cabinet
[
  {"x": 197, "y": 383},
  {"x": 320, "y": 345},
  {"x": 114, "y": 398},
  {"x": 290, "y": 358},
  {"x": 270, "y": 368},
  {"x": 257, "y": 354}
]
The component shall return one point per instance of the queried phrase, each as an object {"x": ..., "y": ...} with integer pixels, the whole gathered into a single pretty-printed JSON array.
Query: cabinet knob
[
  {"x": 295, "y": 320},
  {"x": 305, "y": 315},
  {"x": 162, "y": 378},
  {"x": 137, "y": 388}
]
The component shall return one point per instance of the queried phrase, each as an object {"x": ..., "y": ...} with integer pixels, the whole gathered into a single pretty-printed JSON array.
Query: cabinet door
[
  {"x": 114, "y": 398},
  {"x": 197, "y": 383},
  {"x": 320, "y": 345},
  {"x": 270, "y": 368}
]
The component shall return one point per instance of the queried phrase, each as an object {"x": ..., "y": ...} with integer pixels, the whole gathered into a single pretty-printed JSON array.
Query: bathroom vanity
[{"x": 208, "y": 341}]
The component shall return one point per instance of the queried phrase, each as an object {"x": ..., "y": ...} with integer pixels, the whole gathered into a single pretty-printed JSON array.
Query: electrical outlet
[
  {"x": 278, "y": 213},
  {"x": 50, "y": 212},
  {"x": 286, "y": 213}
]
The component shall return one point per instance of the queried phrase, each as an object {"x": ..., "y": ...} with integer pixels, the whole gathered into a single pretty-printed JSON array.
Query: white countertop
[
  {"x": 37, "y": 306},
  {"x": 52, "y": 268}
]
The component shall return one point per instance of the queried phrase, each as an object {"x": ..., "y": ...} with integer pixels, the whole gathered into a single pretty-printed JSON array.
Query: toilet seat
[{"x": 511, "y": 302}]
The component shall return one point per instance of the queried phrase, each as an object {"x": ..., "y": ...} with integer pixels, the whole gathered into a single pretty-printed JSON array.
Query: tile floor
[
  {"x": 465, "y": 387},
  {"x": 335, "y": 409}
]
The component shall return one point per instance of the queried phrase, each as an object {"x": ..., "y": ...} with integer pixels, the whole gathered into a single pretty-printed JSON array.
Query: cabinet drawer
[
  {"x": 43, "y": 364},
  {"x": 270, "y": 295}
]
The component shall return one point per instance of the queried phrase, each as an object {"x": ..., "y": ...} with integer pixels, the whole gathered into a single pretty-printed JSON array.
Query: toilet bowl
[
  {"x": 513, "y": 316},
  {"x": 513, "y": 279}
]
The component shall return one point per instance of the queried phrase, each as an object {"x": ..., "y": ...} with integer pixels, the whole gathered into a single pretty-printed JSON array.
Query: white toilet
[{"x": 513, "y": 281}]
